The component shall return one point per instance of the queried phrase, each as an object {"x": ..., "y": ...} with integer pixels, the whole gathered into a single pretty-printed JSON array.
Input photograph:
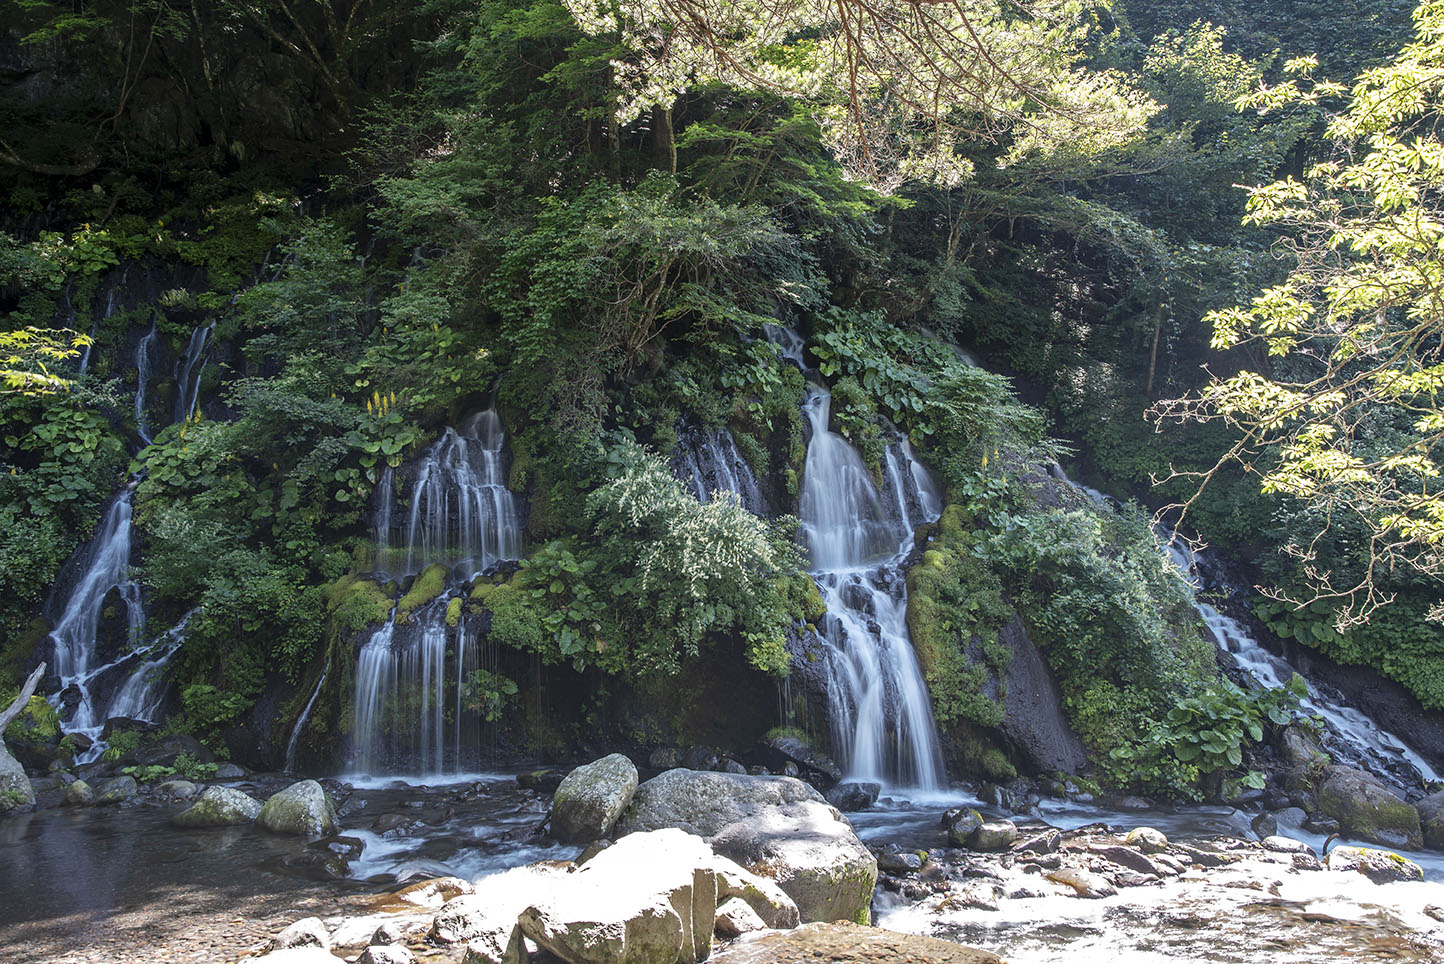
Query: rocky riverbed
[{"x": 121, "y": 883}]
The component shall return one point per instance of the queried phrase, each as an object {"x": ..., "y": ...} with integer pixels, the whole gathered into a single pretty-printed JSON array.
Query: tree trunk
[
  {"x": 664, "y": 140},
  {"x": 18, "y": 706}
]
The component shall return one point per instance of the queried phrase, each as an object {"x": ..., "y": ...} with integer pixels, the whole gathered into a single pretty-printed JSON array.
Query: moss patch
[
  {"x": 429, "y": 585},
  {"x": 355, "y": 603}
]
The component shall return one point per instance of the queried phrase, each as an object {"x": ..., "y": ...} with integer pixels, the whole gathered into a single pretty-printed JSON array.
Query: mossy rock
[
  {"x": 356, "y": 603},
  {"x": 429, "y": 585},
  {"x": 1367, "y": 809}
]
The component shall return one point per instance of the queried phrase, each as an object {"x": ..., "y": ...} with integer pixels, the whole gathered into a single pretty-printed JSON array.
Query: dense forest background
[{"x": 385, "y": 215}]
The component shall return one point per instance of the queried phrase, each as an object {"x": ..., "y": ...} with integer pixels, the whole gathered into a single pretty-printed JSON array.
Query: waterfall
[
  {"x": 709, "y": 461},
  {"x": 290, "y": 765},
  {"x": 461, "y": 510},
  {"x": 382, "y": 502},
  {"x": 790, "y": 345},
  {"x": 189, "y": 371},
  {"x": 142, "y": 376},
  {"x": 409, "y": 701},
  {"x": 1351, "y": 735},
  {"x": 74, "y": 636},
  {"x": 1355, "y": 737},
  {"x": 857, "y": 539}
]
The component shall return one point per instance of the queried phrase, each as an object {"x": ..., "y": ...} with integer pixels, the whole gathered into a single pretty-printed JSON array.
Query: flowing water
[
  {"x": 790, "y": 345},
  {"x": 1350, "y": 735},
  {"x": 189, "y": 371},
  {"x": 412, "y": 699},
  {"x": 708, "y": 461},
  {"x": 461, "y": 512},
  {"x": 857, "y": 537},
  {"x": 143, "y": 350},
  {"x": 290, "y": 764}
]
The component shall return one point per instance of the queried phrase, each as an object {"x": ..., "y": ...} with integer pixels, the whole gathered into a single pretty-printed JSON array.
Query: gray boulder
[
  {"x": 487, "y": 916},
  {"x": 386, "y": 954},
  {"x": 993, "y": 836},
  {"x": 79, "y": 794},
  {"x": 851, "y": 796},
  {"x": 776, "y": 827},
  {"x": 1300, "y": 748},
  {"x": 1085, "y": 883},
  {"x": 960, "y": 825},
  {"x": 782, "y": 750},
  {"x": 650, "y": 898},
  {"x": 302, "y": 808},
  {"x": 735, "y": 918},
  {"x": 1034, "y": 724},
  {"x": 1367, "y": 809},
  {"x": 15, "y": 790},
  {"x": 1431, "y": 820},
  {"x": 1147, "y": 839},
  {"x": 306, "y": 932},
  {"x": 219, "y": 807},
  {"x": 115, "y": 790},
  {"x": 1380, "y": 866},
  {"x": 175, "y": 790},
  {"x": 591, "y": 798}
]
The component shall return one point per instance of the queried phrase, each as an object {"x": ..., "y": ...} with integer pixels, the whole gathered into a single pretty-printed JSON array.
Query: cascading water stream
[
  {"x": 411, "y": 712},
  {"x": 857, "y": 539},
  {"x": 143, "y": 351},
  {"x": 290, "y": 764},
  {"x": 461, "y": 510},
  {"x": 1351, "y": 735},
  {"x": 1355, "y": 737},
  {"x": 189, "y": 371}
]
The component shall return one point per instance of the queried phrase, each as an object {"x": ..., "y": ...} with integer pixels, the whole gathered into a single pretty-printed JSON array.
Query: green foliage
[
  {"x": 428, "y": 585},
  {"x": 489, "y": 694},
  {"x": 955, "y": 609},
  {"x": 120, "y": 745},
  {"x": 187, "y": 766},
  {"x": 152, "y": 773},
  {"x": 1209, "y": 732}
]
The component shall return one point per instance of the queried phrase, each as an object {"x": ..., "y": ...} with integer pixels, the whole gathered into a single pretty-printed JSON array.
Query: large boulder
[
  {"x": 115, "y": 790},
  {"x": 1431, "y": 820},
  {"x": 776, "y": 827},
  {"x": 852, "y": 796},
  {"x": 15, "y": 790},
  {"x": 1299, "y": 747},
  {"x": 781, "y": 749},
  {"x": 651, "y": 898},
  {"x": 1380, "y": 866},
  {"x": 219, "y": 807},
  {"x": 591, "y": 798},
  {"x": 487, "y": 916},
  {"x": 1366, "y": 809},
  {"x": 302, "y": 808}
]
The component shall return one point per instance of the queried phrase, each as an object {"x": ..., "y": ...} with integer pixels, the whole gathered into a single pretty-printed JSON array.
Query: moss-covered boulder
[
  {"x": 1367, "y": 809},
  {"x": 302, "y": 808},
  {"x": 219, "y": 807},
  {"x": 115, "y": 790},
  {"x": 592, "y": 797},
  {"x": 15, "y": 790},
  {"x": 1380, "y": 866}
]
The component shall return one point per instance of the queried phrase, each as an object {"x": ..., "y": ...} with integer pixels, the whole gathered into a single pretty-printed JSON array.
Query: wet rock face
[
  {"x": 1034, "y": 725},
  {"x": 1366, "y": 809},
  {"x": 15, "y": 790},
  {"x": 589, "y": 800},
  {"x": 1431, "y": 820}
]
